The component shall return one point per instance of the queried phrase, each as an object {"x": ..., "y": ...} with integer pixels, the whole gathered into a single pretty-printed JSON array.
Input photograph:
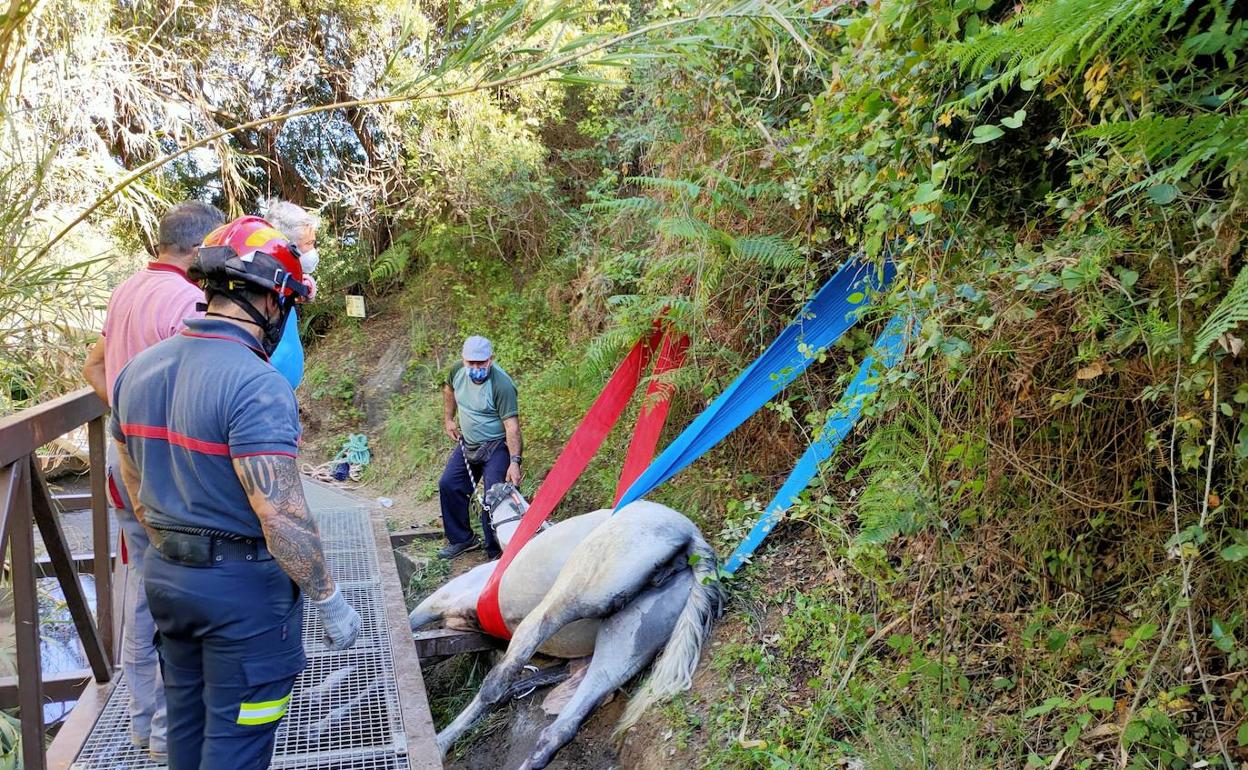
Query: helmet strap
[{"x": 271, "y": 331}]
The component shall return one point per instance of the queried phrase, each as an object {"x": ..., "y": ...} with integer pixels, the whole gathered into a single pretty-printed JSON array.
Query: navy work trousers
[
  {"x": 455, "y": 489},
  {"x": 230, "y": 639}
]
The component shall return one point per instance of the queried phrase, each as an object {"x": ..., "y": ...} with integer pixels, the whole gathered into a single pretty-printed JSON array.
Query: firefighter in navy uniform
[{"x": 207, "y": 432}]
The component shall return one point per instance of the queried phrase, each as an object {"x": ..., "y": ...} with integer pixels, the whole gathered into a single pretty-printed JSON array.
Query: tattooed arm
[{"x": 276, "y": 493}]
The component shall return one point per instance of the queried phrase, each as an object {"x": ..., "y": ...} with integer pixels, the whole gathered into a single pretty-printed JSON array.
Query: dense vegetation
[{"x": 1031, "y": 552}]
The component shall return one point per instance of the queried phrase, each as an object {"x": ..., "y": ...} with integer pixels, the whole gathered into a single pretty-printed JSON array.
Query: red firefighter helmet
[{"x": 251, "y": 251}]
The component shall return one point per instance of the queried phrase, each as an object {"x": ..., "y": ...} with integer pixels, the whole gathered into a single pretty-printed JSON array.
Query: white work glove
[{"x": 341, "y": 621}]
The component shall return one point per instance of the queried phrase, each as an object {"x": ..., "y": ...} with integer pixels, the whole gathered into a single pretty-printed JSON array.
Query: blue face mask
[{"x": 478, "y": 374}]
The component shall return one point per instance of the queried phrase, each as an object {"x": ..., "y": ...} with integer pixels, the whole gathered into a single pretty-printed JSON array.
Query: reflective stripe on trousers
[
  {"x": 231, "y": 646},
  {"x": 264, "y": 712}
]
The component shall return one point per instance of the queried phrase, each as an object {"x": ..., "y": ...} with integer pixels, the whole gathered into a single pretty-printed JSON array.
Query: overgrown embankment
[{"x": 1030, "y": 553}]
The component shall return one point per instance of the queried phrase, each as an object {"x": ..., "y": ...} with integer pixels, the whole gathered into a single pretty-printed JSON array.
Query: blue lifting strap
[
  {"x": 889, "y": 347},
  {"x": 829, "y": 314}
]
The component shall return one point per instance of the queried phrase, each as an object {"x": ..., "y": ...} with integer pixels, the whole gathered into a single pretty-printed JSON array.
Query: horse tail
[{"x": 673, "y": 670}]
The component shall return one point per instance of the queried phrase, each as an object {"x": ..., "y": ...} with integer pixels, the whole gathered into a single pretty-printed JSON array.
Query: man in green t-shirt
[{"x": 487, "y": 441}]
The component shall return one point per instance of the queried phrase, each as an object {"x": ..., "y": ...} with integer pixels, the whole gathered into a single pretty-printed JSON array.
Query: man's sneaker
[
  {"x": 455, "y": 549},
  {"x": 159, "y": 758},
  {"x": 139, "y": 741}
]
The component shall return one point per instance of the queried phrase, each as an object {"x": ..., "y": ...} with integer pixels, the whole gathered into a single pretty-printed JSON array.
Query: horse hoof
[{"x": 541, "y": 756}]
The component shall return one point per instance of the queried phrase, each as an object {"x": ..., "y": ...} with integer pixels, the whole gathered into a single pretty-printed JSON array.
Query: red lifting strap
[
  {"x": 653, "y": 412},
  {"x": 580, "y": 449}
]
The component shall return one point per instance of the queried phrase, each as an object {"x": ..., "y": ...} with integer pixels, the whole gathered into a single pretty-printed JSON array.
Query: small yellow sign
[{"x": 355, "y": 306}]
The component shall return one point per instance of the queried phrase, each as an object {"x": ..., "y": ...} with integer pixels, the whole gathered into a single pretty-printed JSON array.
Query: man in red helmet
[
  {"x": 149, "y": 306},
  {"x": 207, "y": 432}
]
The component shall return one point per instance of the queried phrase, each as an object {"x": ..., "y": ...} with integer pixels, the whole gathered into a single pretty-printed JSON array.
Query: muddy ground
[{"x": 509, "y": 744}]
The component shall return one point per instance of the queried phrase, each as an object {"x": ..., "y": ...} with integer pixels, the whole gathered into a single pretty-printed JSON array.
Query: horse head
[{"x": 506, "y": 506}]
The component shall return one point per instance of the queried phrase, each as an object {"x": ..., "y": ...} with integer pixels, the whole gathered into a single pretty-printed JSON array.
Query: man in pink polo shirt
[{"x": 150, "y": 306}]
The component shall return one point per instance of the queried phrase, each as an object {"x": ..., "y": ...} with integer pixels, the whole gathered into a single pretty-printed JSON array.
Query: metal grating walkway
[{"x": 346, "y": 711}]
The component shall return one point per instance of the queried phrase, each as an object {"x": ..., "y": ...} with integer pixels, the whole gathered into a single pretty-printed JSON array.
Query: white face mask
[{"x": 309, "y": 260}]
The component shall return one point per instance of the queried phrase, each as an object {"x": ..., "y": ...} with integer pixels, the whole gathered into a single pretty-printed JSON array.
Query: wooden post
[
  {"x": 444, "y": 642},
  {"x": 11, "y": 478},
  {"x": 422, "y": 747},
  {"x": 26, "y": 618},
  {"x": 62, "y": 560},
  {"x": 101, "y": 540}
]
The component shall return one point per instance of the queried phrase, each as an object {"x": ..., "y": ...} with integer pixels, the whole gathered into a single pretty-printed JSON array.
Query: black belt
[{"x": 203, "y": 548}]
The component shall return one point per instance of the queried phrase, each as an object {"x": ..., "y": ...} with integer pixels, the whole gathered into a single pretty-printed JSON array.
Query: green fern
[
  {"x": 392, "y": 263},
  {"x": 688, "y": 241},
  {"x": 634, "y": 316},
  {"x": 771, "y": 251},
  {"x": 898, "y": 498},
  {"x": 676, "y": 265},
  {"x": 681, "y": 187},
  {"x": 624, "y": 267},
  {"x": 634, "y": 205},
  {"x": 725, "y": 192},
  {"x": 1181, "y": 142},
  {"x": 607, "y": 349},
  {"x": 1049, "y": 36},
  {"x": 890, "y": 507},
  {"x": 1232, "y": 310},
  {"x": 440, "y": 241},
  {"x": 687, "y": 228}
]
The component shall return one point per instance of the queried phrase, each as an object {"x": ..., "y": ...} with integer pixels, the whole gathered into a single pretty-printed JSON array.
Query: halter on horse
[{"x": 506, "y": 506}]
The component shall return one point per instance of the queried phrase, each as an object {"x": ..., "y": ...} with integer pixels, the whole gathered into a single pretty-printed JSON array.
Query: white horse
[{"x": 618, "y": 588}]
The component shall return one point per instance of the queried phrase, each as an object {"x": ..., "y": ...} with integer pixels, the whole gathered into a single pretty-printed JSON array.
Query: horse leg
[
  {"x": 626, "y": 642},
  {"x": 475, "y": 709},
  {"x": 536, "y": 628},
  {"x": 540, "y": 624}
]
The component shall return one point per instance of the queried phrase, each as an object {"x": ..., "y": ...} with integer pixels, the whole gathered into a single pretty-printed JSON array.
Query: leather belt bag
[{"x": 479, "y": 453}]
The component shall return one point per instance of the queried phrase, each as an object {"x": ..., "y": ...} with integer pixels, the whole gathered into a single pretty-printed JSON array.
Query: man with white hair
[
  {"x": 488, "y": 446},
  {"x": 300, "y": 226}
]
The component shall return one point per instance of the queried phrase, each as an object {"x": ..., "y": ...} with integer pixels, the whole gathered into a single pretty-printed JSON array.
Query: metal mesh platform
[{"x": 345, "y": 710}]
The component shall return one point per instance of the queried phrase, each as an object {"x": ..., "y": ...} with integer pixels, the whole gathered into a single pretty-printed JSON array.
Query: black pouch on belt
[{"x": 184, "y": 548}]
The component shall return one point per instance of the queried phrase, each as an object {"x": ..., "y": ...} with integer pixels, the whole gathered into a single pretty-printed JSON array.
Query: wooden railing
[{"x": 25, "y": 502}]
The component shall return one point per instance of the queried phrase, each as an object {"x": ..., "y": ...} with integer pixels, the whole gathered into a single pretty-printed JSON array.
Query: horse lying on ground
[{"x": 619, "y": 588}]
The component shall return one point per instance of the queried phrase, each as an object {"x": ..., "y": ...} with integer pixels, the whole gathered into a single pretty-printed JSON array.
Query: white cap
[{"x": 477, "y": 348}]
